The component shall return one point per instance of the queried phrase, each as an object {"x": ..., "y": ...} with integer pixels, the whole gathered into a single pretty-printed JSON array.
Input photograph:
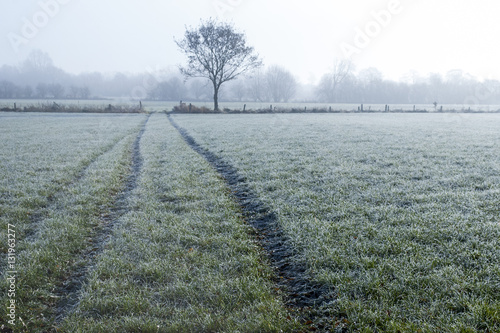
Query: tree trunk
[{"x": 216, "y": 98}]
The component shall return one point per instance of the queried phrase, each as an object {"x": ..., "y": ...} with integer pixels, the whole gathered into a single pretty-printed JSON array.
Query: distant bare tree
[
  {"x": 177, "y": 88},
  {"x": 84, "y": 92},
  {"x": 28, "y": 92},
  {"x": 257, "y": 87},
  {"x": 330, "y": 82},
  {"x": 371, "y": 82},
  {"x": 73, "y": 92},
  {"x": 217, "y": 52},
  {"x": 7, "y": 89},
  {"x": 436, "y": 86},
  {"x": 41, "y": 90},
  {"x": 370, "y": 75},
  {"x": 280, "y": 83},
  {"x": 159, "y": 92},
  {"x": 171, "y": 90},
  {"x": 56, "y": 90},
  {"x": 200, "y": 89},
  {"x": 38, "y": 60},
  {"x": 239, "y": 90}
]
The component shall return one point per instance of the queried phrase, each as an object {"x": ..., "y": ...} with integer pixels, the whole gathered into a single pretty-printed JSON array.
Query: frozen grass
[
  {"x": 59, "y": 175},
  {"x": 47, "y": 264},
  {"x": 181, "y": 259},
  {"x": 41, "y": 155},
  {"x": 172, "y": 255},
  {"x": 400, "y": 213}
]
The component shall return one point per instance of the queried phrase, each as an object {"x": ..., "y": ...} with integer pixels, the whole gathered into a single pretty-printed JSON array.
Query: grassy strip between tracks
[{"x": 181, "y": 259}]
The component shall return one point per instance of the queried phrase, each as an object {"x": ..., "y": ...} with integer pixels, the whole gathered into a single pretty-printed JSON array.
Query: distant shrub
[
  {"x": 55, "y": 107},
  {"x": 190, "y": 108}
]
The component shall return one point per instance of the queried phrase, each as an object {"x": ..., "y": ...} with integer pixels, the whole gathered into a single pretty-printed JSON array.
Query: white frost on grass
[{"x": 398, "y": 211}]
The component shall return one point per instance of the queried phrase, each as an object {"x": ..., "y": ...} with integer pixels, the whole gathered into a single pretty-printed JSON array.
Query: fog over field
[
  {"x": 381, "y": 52},
  {"x": 401, "y": 38}
]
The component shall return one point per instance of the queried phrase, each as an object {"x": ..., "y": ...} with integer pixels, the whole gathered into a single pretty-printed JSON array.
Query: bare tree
[
  {"x": 200, "y": 89},
  {"x": 171, "y": 90},
  {"x": 436, "y": 87},
  {"x": 372, "y": 85},
  {"x": 7, "y": 89},
  {"x": 27, "y": 92},
  {"x": 39, "y": 61},
  {"x": 239, "y": 90},
  {"x": 56, "y": 90},
  {"x": 73, "y": 92},
  {"x": 217, "y": 52},
  {"x": 281, "y": 84},
  {"x": 85, "y": 92},
  {"x": 330, "y": 82},
  {"x": 161, "y": 92},
  {"x": 177, "y": 88},
  {"x": 257, "y": 87},
  {"x": 41, "y": 90}
]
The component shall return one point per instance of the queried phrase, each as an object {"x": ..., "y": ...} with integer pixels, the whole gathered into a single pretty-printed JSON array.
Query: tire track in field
[
  {"x": 69, "y": 293},
  {"x": 303, "y": 295},
  {"x": 38, "y": 216}
]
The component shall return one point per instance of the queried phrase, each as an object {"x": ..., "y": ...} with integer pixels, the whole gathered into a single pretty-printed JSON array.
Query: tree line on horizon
[{"x": 38, "y": 78}]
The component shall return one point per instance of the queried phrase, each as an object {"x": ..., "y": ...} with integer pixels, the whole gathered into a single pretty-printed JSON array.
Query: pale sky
[{"x": 303, "y": 36}]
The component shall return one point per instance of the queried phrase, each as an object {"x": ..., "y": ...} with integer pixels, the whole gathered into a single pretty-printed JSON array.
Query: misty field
[{"x": 121, "y": 224}]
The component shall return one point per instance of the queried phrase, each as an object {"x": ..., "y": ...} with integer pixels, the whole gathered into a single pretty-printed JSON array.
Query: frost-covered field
[
  {"x": 399, "y": 213},
  {"x": 58, "y": 174},
  {"x": 120, "y": 226},
  {"x": 41, "y": 154},
  {"x": 116, "y": 225}
]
